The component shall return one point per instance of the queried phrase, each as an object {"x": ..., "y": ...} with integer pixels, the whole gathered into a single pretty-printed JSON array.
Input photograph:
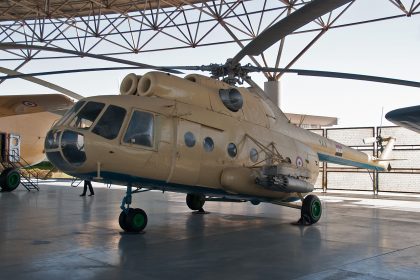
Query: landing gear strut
[
  {"x": 131, "y": 219},
  {"x": 9, "y": 179},
  {"x": 196, "y": 202},
  {"x": 311, "y": 210}
]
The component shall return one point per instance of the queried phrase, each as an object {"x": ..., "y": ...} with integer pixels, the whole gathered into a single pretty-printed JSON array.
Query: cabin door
[
  {"x": 14, "y": 148},
  {"x": 188, "y": 153}
]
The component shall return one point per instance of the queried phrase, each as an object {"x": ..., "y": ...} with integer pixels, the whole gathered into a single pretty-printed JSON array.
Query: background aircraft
[
  {"x": 24, "y": 122},
  {"x": 408, "y": 117}
]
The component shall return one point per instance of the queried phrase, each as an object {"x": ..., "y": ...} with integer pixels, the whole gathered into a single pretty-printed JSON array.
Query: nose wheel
[{"x": 131, "y": 219}]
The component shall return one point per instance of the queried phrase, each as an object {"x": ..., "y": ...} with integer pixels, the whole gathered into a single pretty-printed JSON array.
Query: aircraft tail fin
[
  {"x": 388, "y": 148},
  {"x": 384, "y": 159}
]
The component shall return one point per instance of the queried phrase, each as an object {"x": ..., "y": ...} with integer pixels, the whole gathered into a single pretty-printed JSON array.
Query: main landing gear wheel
[
  {"x": 196, "y": 202},
  {"x": 9, "y": 179},
  {"x": 133, "y": 221},
  {"x": 311, "y": 210}
]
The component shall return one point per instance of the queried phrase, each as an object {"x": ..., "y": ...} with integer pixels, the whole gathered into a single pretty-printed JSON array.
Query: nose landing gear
[{"x": 132, "y": 219}]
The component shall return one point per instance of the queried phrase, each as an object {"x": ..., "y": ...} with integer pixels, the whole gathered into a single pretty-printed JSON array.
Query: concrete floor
[{"x": 55, "y": 234}]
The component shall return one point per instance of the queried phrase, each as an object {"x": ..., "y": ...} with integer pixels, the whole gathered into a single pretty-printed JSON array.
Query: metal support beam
[{"x": 272, "y": 90}]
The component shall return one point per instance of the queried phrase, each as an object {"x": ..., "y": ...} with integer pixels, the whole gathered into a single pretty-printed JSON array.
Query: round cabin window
[
  {"x": 231, "y": 149},
  {"x": 253, "y": 155},
  {"x": 189, "y": 139},
  {"x": 208, "y": 144}
]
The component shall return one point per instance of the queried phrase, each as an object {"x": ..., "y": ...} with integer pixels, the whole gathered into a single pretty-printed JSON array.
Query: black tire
[
  {"x": 136, "y": 220},
  {"x": 9, "y": 179},
  {"x": 311, "y": 209},
  {"x": 195, "y": 201},
  {"x": 122, "y": 220}
]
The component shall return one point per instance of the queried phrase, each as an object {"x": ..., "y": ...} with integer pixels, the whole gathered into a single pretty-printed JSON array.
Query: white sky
[{"x": 390, "y": 49}]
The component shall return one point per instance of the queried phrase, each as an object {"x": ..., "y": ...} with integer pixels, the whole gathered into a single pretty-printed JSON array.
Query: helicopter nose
[{"x": 66, "y": 149}]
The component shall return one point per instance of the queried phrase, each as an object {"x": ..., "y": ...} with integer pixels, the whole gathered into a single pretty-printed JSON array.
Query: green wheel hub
[
  {"x": 138, "y": 220},
  {"x": 134, "y": 221},
  {"x": 13, "y": 180},
  {"x": 316, "y": 209}
]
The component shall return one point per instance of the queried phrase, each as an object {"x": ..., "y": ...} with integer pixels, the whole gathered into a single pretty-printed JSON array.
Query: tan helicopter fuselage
[
  {"x": 196, "y": 141},
  {"x": 32, "y": 129}
]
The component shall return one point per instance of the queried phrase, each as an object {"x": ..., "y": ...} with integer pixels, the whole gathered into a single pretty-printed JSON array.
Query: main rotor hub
[{"x": 229, "y": 73}]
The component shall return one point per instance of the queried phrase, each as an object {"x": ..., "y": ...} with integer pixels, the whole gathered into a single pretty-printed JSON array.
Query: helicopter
[
  {"x": 203, "y": 136},
  {"x": 24, "y": 122}
]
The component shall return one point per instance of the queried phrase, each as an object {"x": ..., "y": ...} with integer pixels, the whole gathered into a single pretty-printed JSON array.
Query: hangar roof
[
  {"x": 35, "y": 9},
  {"x": 125, "y": 27}
]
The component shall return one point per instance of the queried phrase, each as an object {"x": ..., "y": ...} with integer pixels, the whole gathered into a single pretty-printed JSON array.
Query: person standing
[{"x": 86, "y": 184}]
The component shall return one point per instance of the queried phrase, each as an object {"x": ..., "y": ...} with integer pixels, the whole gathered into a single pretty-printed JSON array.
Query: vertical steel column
[
  {"x": 272, "y": 89},
  {"x": 324, "y": 177}
]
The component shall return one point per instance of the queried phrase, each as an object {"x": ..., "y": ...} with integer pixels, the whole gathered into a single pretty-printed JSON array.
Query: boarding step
[
  {"x": 75, "y": 182},
  {"x": 28, "y": 183}
]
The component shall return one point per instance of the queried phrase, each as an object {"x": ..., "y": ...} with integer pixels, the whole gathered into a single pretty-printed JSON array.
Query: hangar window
[
  {"x": 140, "y": 129},
  {"x": 232, "y": 150},
  {"x": 208, "y": 144},
  {"x": 110, "y": 123},
  {"x": 87, "y": 115},
  {"x": 189, "y": 139}
]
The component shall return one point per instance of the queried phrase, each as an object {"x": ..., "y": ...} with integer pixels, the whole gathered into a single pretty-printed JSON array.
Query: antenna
[{"x": 379, "y": 138}]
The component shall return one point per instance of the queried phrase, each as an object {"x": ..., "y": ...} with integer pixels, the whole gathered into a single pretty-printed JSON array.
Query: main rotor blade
[
  {"x": 340, "y": 75},
  {"x": 302, "y": 72},
  {"x": 15, "y": 75},
  {"x": 288, "y": 25},
  {"x": 58, "y": 72},
  {"x": 5, "y": 46},
  {"x": 350, "y": 76},
  {"x": 41, "y": 82}
]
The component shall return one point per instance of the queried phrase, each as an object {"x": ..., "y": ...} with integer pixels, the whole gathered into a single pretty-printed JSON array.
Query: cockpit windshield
[
  {"x": 110, "y": 123},
  {"x": 87, "y": 115},
  {"x": 70, "y": 112}
]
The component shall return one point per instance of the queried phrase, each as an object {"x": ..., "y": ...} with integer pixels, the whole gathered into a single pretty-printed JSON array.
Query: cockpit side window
[
  {"x": 110, "y": 123},
  {"x": 87, "y": 115},
  {"x": 70, "y": 112},
  {"x": 140, "y": 129}
]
